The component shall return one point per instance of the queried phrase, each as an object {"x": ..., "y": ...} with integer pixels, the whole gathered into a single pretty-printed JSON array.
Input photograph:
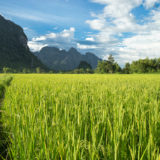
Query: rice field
[
  {"x": 83, "y": 117},
  {"x": 4, "y": 82}
]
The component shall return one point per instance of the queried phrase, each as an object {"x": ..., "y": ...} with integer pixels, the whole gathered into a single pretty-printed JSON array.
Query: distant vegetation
[
  {"x": 140, "y": 66},
  {"x": 84, "y": 65},
  {"x": 143, "y": 66},
  {"x": 106, "y": 66}
]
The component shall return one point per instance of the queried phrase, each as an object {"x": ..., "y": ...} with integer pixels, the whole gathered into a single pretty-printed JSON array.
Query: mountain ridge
[
  {"x": 14, "y": 51},
  {"x": 62, "y": 60}
]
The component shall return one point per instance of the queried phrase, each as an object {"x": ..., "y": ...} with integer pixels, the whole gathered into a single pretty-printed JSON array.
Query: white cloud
[
  {"x": 34, "y": 46},
  {"x": 86, "y": 47},
  {"x": 97, "y": 24},
  {"x": 67, "y": 33},
  {"x": 43, "y": 38},
  {"x": 90, "y": 39},
  {"x": 150, "y": 3},
  {"x": 117, "y": 19},
  {"x": 143, "y": 45},
  {"x": 63, "y": 39}
]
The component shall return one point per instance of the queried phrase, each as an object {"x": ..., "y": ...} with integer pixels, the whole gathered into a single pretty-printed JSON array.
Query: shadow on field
[{"x": 3, "y": 136}]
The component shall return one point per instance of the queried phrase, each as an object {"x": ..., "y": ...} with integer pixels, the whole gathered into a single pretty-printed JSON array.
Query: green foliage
[
  {"x": 127, "y": 69},
  {"x": 108, "y": 66},
  {"x": 83, "y": 68},
  {"x": 8, "y": 70},
  {"x": 111, "y": 59},
  {"x": 140, "y": 66},
  {"x": 143, "y": 66},
  {"x": 82, "y": 71},
  {"x": 4, "y": 82},
  {"x": 87, "y": 117},
  {"x": 84, "y": 65},
  {"x": 38, "y": 70}
]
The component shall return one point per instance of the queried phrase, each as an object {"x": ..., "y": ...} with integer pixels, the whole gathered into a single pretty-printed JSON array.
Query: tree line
[
  {"x": 109, "y": 66},
  {"x": 140, "y": 66}
]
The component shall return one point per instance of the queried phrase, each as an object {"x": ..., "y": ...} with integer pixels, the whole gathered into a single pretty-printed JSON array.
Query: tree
[
  {"x": 24, "y": 70},
  {"x": 6, "y": 70},
  {"x": 88, "y": 70},
  {"x": 126, "y": 69},
  {"x": 84, "y": 65},
  {"x": 117, "y": 68},
  {"x": 145, "y": 66},
  {"x": 111, "y": 58},
  {"x": 38, "y": 70},
  {"x": 78, "y": 71},
  {"x": 101, "y": 67},
  {"x": 108, "y": 66}
]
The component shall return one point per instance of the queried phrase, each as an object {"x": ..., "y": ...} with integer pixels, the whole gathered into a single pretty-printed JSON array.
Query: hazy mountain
[
  {"x": 14, "y": 52},
  {"x": 62, "y": 60}
]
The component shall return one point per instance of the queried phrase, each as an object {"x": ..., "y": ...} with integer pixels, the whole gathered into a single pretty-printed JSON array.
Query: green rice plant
[
  {"x": 90, "y": 117},
  {"x": 4, "y": 82}
]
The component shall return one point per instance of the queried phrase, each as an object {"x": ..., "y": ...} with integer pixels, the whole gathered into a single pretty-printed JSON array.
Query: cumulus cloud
[
  {"x": 117, "y": 20},
  {"x": 90, "y": 39},
  {"x": 117, "y": 32},
  {"x": 36, "y": 46},
  {"x": 63, "y": 39},
  {"x": 47, "y": 36},
  {"x": 97, "y": 24},
  {"x": 140, "y": 46},
  {"x": 86, "y": 47},
  {"x": 150, "y": 3}
]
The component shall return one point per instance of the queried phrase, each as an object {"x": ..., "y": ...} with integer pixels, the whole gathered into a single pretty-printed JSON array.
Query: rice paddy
[{"x": 82, "y": 117}]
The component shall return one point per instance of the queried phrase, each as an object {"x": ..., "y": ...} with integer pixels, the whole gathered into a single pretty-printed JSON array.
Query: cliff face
[
  {"x": 14, "y": 52},
  {"x": 61, "y": 60}
]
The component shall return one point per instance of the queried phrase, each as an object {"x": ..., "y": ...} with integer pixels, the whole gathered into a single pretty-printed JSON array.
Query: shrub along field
[
  {"x": 75, "y": 117},
  {"x": 4, "y": 82}
]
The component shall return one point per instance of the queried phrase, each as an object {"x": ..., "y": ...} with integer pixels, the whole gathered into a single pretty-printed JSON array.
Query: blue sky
[{"x": 128, "y": 29}]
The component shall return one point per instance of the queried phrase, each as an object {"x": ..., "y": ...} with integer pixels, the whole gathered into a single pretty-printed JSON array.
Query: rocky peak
[
  {"x": 49, "y": 49},
  {"x": 10, "y": 30},
  {"x": 63, "y": 60},
  {"x": 72, "y": 50},
  {"x": 14, "y": 51}
]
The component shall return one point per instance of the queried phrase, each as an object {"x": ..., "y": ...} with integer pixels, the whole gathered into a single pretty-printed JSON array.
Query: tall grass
[
  {"x": 74, "y": 117},
  {"x": 4, "y": 82}
]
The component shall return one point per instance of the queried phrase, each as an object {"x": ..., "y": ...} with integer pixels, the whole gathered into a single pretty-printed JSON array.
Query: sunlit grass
[{"x": 73, "y": 117}]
